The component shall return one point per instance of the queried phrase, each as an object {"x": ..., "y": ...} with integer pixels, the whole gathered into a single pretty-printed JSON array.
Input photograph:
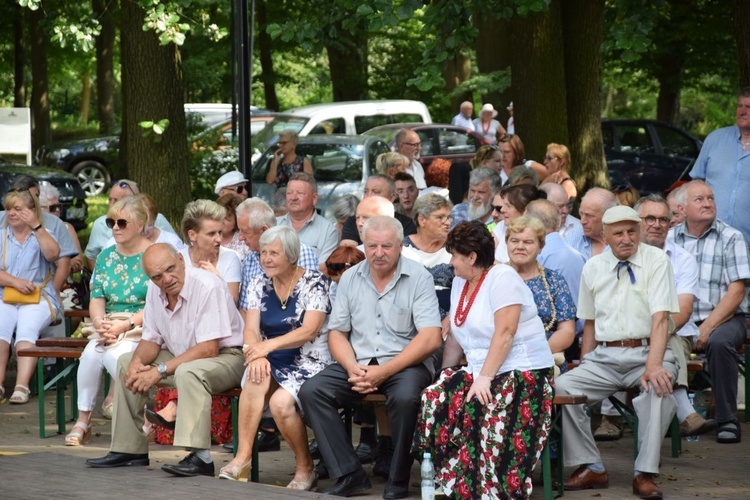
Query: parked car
[
  {"x": 341, "y": 165},
  {"x": 349, "y": 117},
  {"x": 651, "y": 154},
  {"x": 72, "y": 198},
  {"x": 94, "y": 160},
  {"x": 439, "y": 141}
]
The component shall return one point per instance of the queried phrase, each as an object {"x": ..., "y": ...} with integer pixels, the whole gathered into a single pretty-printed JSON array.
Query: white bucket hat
[{"x": 489, "y": 107}]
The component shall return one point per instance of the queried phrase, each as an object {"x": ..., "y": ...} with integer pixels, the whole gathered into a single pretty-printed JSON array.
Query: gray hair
[
  {"x": 546, "y": 212},
  {"x": 278, "y": 199},
  {"x": 427, "y": 204},
  {"x": 346, "y": 206},
  {"x": 305, "y": 177},
  {"x": 197, "y": 211},
  {"x": 521, "y": 172},
  {"x": 483, "y": 174},
  {"x": 391, "y": 183},
  {"x": 654, "y": 198},
  {"x": 47, "y": 192},
  {"x": 553, "y": 188},
  {"x": 290, "y": 134},
  {"x": 605, "y": 198},
  {"x": 259, "y": 212},
  {"x": 382, "y": 223},
  {"x": 288, "y": 239},
  {"x": 681, "y": 195}
]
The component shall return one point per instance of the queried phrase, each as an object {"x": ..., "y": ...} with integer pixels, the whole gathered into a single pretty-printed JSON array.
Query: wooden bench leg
[{"x": 743, "y": 369}]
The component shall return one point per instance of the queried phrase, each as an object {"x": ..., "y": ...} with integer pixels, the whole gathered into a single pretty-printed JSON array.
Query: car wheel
[{"x": 93, "y": 177}]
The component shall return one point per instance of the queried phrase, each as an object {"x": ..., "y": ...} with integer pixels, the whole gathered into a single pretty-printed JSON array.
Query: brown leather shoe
[
  {"x": 645, "y": 487},
  {"x": 584, "y": 478}
]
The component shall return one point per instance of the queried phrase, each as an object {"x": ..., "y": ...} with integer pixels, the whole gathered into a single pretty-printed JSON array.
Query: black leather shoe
[
  {"x": 396, "y": 490},
  {"x": 322, "y": 470},
  {"x": 114, "y": 459},
  {"x": 352, "y": 484},
  {"x": 190, "y": 466},
  {"x": 382, "y": 467},
  {"x": 366, "y": 452},
  {"x": 314, "y": 450},
  {"x": 157, "y": 419},
  {"x": 268, "y": 441}
]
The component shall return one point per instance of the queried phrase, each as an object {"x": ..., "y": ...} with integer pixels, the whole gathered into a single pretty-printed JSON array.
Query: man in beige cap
[
  {"x": 627, "y": 294},
  {"x": 232, "y": 182}
]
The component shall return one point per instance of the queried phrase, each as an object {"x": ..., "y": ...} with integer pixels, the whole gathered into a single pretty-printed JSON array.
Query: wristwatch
[
  {"x": 132, "y": 325},
  {"x": 36, "y": 228},
  {"x": 162, "y": 368}
]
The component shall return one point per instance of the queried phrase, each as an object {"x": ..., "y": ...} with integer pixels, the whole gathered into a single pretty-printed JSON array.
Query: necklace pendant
[{"x": 283, "y": 307}]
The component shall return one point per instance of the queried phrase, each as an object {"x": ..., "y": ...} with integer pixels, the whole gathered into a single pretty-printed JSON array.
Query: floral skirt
[
  {"x": 221, "y": 417},
  {"x": 486, "y": 452}
]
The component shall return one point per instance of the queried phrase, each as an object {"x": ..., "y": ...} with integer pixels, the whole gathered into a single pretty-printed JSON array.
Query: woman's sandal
[
  {"x": 728, "y": 433},
  {"x": 20, "y": 397},
  {"x": 234, "y": 473},
  {"x": 78, "y": 438},
  {"x": 308, "y": 485}
]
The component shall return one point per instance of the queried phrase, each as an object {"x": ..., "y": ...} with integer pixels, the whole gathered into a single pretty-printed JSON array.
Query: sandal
[
  {"x": 108, "y": 409},
  {"x": 728, "y": 433},
  {"x": 20, "y": 397},
  {"x": 76, "y": 437},
  {"x": 309, "y": 485}
]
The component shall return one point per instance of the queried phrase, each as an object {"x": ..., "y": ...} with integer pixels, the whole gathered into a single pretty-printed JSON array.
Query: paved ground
[{"x": 33, "y": 468}]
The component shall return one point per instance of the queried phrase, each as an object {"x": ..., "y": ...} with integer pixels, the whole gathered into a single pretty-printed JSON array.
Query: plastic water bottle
[
  {"x": 428, "y": 477},
  {"x": 700, "y": 410}
]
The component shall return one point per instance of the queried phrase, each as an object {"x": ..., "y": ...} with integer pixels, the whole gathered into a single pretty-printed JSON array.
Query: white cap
[
  {"x": 620, "y": 213},
  {"x": 489, "y": 107},
  {"x": 229, "y": 179}
]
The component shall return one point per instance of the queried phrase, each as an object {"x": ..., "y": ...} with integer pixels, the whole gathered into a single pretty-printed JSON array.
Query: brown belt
[{"x": 626, "y": 343}]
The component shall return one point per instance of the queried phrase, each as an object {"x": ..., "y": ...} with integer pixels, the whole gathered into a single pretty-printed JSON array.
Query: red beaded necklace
[{"x": 459, "y": 318}]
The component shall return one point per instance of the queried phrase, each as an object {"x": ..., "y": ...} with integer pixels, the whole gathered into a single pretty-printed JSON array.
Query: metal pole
[{"x": 244, "y": 87}]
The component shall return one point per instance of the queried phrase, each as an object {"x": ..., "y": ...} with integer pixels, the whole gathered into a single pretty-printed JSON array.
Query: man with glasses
[
  {"x": 719, "y": 311},
  {"x": 655, "y": 218},
  {"x": 409, "y": 144},
  {"x": 232, "y": 182},
  {"x": 100, "y": 233}
]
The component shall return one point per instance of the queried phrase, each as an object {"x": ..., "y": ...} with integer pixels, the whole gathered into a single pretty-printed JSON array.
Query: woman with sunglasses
[
  {"x": 153, "y": 233},
  {"x": 118, "y": 295},
  {"x": 488, "y": 156},
  {"x": 286, "y": 161},
  {"x": 28, "y": 256}
]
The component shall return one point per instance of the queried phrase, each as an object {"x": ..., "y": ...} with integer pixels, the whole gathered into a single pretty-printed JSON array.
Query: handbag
[
  {"x": 132, "y": 335},
  {"x": 13, "y": 296}
]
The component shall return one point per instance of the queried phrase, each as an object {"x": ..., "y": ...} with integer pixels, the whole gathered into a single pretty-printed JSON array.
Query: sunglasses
[
  {"x": 53, "y": 208},
  {"x": 337, "y": 267},
  {"x": 497, "y": 208},
  {"x": 120, "y": 223},
  {"x": 123, "y": 185},
  {"x": 239, "y": 189},
  {"x": 490, "y": 150}
]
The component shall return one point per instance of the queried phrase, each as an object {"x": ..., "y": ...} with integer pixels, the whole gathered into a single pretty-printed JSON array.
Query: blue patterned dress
[
  {"x": 292, "y": 367},
  {"x": 564, "y": 305}
]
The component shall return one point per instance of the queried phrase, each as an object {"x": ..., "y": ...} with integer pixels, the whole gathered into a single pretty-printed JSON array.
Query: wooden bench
[
  {"x": 557, "y": 425},
  {"x": 67, "y": 366}
]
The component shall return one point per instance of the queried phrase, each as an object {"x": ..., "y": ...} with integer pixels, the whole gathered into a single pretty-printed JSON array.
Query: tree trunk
[
  {"x": 347, "y": 60},
  {"x": 741, "y": 16},
  {"x": 493, "y": 54},
  {"x": 670, "y": 85},
  {"x": 538, "y": 79},
  {"x": 583, "y": 32},
  {"x": 153, "y": 89},
  {"x": 105, "y": 75},
  {"x": 268, "y": 75},
  {"x": 41, "y": 132},
  {"x": 85, "y": 98},
  {"x": 19, "y": 59},
  {"x": 456, "y": 71}
]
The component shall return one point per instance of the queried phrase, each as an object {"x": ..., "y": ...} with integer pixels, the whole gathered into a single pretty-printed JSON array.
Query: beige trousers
[{"x": 195, "y": 382}]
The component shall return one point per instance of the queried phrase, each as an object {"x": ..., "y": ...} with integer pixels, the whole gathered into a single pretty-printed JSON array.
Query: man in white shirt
[
  {"x": 409, "y": 144},
  {"x": 463, "y": 119},
  {"x": 192, "y": 341}
]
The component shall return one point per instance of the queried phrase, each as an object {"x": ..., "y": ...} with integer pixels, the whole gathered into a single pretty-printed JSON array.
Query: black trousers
[{"x": 322, "y": 396}]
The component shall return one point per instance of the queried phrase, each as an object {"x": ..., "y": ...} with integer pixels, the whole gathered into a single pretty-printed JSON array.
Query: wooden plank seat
[{"x": 67, "y": 367}]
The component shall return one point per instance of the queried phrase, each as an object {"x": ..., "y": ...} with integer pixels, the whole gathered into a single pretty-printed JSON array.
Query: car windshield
[
  {"x": 330, "y": 161},
  {"x": 270, "y": 133}
]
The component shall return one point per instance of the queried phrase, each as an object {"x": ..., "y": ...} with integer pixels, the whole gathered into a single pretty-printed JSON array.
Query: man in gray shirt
[{"x": 384, "y": 326}]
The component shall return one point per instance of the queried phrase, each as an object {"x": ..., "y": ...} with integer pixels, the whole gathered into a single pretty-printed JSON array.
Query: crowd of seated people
[{"x": 464, "y": 316}]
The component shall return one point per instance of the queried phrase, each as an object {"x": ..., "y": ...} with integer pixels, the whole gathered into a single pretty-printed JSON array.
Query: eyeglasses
[
  {"x": 239, "y": 189},
  {"x": 413, "y": 144},
  {"x": 337, "y": 267},
  {"x": 651, "y": 220},
  {"x": 120, "y": 223},
  {"x": 123, "y": 185},
  {"x": 53, "y": 208},
  {"x": 497, "y": 208},
  {"x": 442, "y": 218}
]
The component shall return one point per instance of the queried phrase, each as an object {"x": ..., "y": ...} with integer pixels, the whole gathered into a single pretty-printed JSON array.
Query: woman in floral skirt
[{"x": 486, "y": 423}]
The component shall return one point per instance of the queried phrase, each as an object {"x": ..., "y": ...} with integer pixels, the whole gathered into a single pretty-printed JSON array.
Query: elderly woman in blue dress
[
  {"x": 525, "y": 239},
  {"x": 285, "y": 344},
  {"x": 28, "y": 256},
  {"x": 486, "y": 423}
]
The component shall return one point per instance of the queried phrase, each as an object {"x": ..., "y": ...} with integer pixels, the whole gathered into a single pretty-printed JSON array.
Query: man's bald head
[
  {"x": 165, "y": 267},
  {"x": 372, "y": 207}
]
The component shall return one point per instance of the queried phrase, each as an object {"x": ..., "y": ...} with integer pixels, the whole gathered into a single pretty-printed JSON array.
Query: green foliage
[
  {"x": 208, "y": 165},
  {"x": 154, "y": 129}
]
